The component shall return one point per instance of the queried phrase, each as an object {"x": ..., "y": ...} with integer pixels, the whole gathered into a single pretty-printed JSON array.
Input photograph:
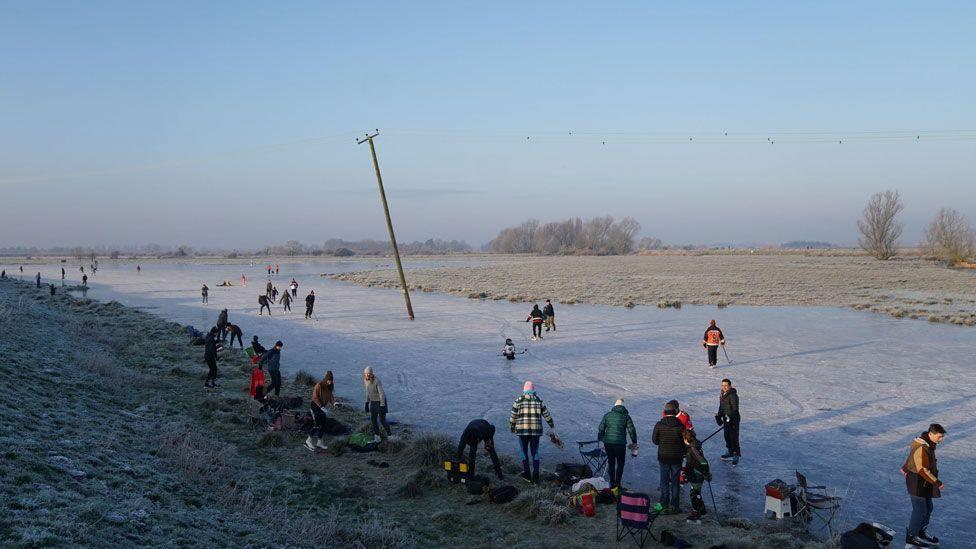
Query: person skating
[
  {"x": 38, "y": 280},
  {"x": 728, "y": 415},
  {"x": 263, "y": 302},
  {"x": 277, "y": 269},
  {"x": 711, "y": 341},
  {"x": 274, "y": 294},
  {"x": 921, "y": 472},
  {"x": 667, "y": 436},
  {"x": 235, "y": 332},
  {"x": 682, "y": 416},
  {"x": 294, "y": 288},
  {"x": 375, "y": 403},
  {"x": 697, "y": 472},
  {"x": 309, "y": 304},
  {"x": 62, "y": 276},
  {"x": 257, "y": 382},
  {"x": 205, "y": 293},
  {"x": 273, "y": 359},
  {"x": 528, "y": 411},
  {"x": 243, "y": 280},
  {"x": 316, "y": 440},
  {"x": 475, "y": 433},
  {"x": 508, "y": 350},
  {"x": 210, "y": 358},
  {"x": 84, "y": 280},
  {"x": 268, "y": 290},
  {"x": 138, "y": 269},
  {"x": 550, "y": 315},
  {"x": 535, "y": 316},
  {"x": 613, "y": 431},
  {"x": 285, "y": 301},
  {"x": 222, "y": 324}
]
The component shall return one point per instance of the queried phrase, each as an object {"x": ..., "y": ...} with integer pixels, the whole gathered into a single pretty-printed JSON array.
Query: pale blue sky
[{"x": 128, "y": 122}]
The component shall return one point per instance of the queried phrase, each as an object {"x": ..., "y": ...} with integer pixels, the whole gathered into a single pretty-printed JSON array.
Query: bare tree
[
  {"x": 949, "y": 237},
  {"x": 878, "y": 227}
]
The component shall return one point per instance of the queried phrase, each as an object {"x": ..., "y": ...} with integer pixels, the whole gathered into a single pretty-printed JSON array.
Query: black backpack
[
  {"x": 478, "y": 485},
  {"x": 503, "y": 494},
  {"x": 570, "y": 473}
]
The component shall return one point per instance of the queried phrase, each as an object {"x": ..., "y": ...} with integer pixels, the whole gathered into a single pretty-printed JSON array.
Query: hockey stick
[
  {"x": 715, "y": 507},
  {"x": 522, "y": 352},
  {"x": 713, "y": 434},
  {"x": 726, "y": 355}
]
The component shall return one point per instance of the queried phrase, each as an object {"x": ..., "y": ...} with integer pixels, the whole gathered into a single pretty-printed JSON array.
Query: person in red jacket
[
  {"x": 682, "y": 415},
  {"x": 713, "y": 338},
  {"x": 257, "y": 382}
]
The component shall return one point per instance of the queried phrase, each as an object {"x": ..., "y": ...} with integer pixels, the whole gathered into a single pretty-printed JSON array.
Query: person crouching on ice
[{"x": 508, "y": 351}]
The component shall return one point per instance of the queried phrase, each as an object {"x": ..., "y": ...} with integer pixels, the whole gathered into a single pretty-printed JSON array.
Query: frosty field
[{"x": 835, "y": 393}]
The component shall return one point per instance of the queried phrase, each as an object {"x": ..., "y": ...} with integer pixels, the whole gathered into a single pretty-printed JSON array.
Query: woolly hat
[
  {"x": 528, "y": 387},
  {"x": 368, "y": 370},
  {"x": 620, "y": 402},
  {"x": 712, "y": 323}
]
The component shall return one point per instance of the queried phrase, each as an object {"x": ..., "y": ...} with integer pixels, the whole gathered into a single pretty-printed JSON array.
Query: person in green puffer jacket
[{"x": 614, "y": 428}]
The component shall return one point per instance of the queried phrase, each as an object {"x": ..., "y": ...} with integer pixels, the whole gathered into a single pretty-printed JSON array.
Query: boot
[
  {"x": 912, "y": 542},
  {"x": 535, "y": 471},
  {"x": 321, "y": 444},
  {"x": 526, "y": 476},
  {"x": 310, "y": 443},
  {"x": 932, "y": 540}
]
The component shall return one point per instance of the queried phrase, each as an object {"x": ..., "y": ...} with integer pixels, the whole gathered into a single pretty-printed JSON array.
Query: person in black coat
[
  {"x": 210, "y": 358},
  {"x": 476, "y": 432},
  {"x": 309, "y": 303},
  {"x": 263, "y": 302},
  {"x": 258, "y": 348},
  {"x": 728, "y": 415},
  {"x": 671, "y": 450}
]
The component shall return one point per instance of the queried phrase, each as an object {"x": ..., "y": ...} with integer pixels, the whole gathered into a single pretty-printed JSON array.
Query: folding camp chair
[
  {"x": 814, "y": 502},
  {"x": 593, "y": 455},
  {"x": 635, "y": 517}
]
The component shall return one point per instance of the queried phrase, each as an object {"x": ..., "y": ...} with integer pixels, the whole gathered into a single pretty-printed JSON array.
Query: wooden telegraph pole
[{"x": 389, "y": 222}]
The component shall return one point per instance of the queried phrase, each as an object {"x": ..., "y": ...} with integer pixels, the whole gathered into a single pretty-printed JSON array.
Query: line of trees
[
  {"x": 573, "y": 236},
  {"x": 948, "y": 237}
]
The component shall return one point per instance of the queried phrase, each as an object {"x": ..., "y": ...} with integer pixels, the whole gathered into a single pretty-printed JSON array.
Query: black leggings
[
  {"x": 275, "y": 382},
  {"x": 239, "y": 340},
  {"x": 616, "y": 457},
  {"x": 712, "y": 355},
  {"x": 319, "y": 416},
  {"x": 732, "y": 437},
  {"x": 377, "y": 415},
  {"x": 212, "y": 365},
  {"x": 537, "y": 329},
  {"x": 263, "y": 307},
  {"x": 287, "y": 306}
]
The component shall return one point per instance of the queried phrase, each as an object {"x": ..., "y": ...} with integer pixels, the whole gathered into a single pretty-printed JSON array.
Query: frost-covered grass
[{"x": 916, "y": 287}]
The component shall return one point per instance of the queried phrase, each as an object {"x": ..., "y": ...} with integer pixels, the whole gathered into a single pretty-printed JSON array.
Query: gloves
[
  {"x": 719, "y": 419},
  {"x": 511, "y": 427}
]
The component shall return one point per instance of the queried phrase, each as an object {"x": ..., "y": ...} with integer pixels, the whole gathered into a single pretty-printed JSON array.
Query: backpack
[
  {"x": 361, "y": 442},
  {"x": 867, "y": 536},
  {"x": 503, "y": 494},
  {"x": 569, "y": 473},
  {"x": 478, "y": 485}
]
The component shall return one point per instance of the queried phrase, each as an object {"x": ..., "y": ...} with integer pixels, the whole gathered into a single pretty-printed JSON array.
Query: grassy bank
[{"x": 110, "y": 440}]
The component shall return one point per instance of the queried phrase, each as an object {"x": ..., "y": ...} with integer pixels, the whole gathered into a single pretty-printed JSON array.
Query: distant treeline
[
  {"x": 574, "y": 236},
  {"x": 813, "y": 244}
]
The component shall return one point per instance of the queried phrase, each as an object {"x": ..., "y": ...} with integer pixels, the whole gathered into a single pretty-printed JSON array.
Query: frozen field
[{"x": 835, "y": 393}]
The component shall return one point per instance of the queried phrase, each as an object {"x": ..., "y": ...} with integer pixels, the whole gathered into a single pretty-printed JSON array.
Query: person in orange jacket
[{"x": 713, "y": 338}]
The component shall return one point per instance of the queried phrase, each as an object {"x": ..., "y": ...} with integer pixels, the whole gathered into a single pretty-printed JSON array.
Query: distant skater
[
  {"x": 274, "y": 294},
  {"x": 286, "y": 301},
  {"x": 712, "y": 339},
  {"x": 508, "y": 350},
  {"x": 62, "y": 276},
  {"x": 243, "y": 280},
  {"x": 84, "y": 280},
  {"x": 294, "y": 288},
  {"x": 268, "y": 289},
  {"x": 550, "y": 314},
  {"x": 138, "y": 269},
  {"x": 38, "y": 280},
  {"x": 205, "y": 291},
  {"x": 536, "y": 318},
  {"x": 309, "y": 303},
  {"x": 263, "y": 302},
  {"x": 277, "y": 269}
]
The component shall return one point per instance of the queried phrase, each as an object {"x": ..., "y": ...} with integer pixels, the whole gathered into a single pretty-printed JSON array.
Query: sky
[{"x": 233, "y": 124}]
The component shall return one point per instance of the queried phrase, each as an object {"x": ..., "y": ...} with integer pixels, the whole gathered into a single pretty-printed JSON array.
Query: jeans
[
  {"x": 616, "y": 457},
  {"x": 921, "y": 512},
  {"x": 669, "y": 484},
  {"x": 212, "y": 366},
  {"x": 377, "y": 416},
  {"x": 712, "y": 355},
  {"x": 275, "y": 382},
  {"x": 319, "y": 416},
  {"x": 530, "y": 449},
  {"x": 238, "y": 336}
]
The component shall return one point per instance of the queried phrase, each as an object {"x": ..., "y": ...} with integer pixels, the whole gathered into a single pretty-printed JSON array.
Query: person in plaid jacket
[{"x": 528, "y": 411}]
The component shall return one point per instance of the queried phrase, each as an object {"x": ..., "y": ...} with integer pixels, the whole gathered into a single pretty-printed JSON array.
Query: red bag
[
  {"x": 255, "y": 359},
  {"x": 588, "y": 505}
]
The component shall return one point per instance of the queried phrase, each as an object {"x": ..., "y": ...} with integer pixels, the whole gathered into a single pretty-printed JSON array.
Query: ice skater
[
  {"x": 263, "y": 302},
  {"x": 205, "y": 293},
  {"x": 728, "y": 415},
  {"x": 922, "y": 480},
  {"x": 711, "y": 341},
  {"x": 508, "y": 350},
  {"x": 309, "y": 304},
  {"x": 536, "y": 318},
  {"x": 285, "y": 301},
  {"x": 294, "y": 288},
  {"x": 550, "y": 313}
]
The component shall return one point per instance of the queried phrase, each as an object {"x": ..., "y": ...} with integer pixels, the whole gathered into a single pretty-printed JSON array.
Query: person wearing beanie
[
  {"x": 712, "y": 339},
  {"x": 667, "y": 436},
  {"x": 257, "y": 347},
  {"x": 528, "y": 411},
  {"x": 475, "y": 433},
  {"x": 257, "y": 382},
  {"x": 698, "y": 472},
  {"x": 728, "y": 415},
  {"x": 273, "y": 359},
  {"x": 375, "y": 403},
  {"x": 682, "y": 416},
  {"x": 550, "y": 314},
  {"x": 508, "y": 350},
  {"x": 613, "y": 431},
  {"x": 535, "y": 316}
]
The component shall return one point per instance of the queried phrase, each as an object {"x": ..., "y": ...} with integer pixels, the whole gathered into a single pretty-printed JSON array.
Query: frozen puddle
[{"x": 836, "y": 394}]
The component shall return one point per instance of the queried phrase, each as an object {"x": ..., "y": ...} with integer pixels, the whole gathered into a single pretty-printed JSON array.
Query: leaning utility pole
[{"x": 389, "y": 222}]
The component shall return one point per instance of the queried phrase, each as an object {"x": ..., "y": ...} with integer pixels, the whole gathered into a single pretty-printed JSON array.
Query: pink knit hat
[{"x": 528, "y": 386}]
